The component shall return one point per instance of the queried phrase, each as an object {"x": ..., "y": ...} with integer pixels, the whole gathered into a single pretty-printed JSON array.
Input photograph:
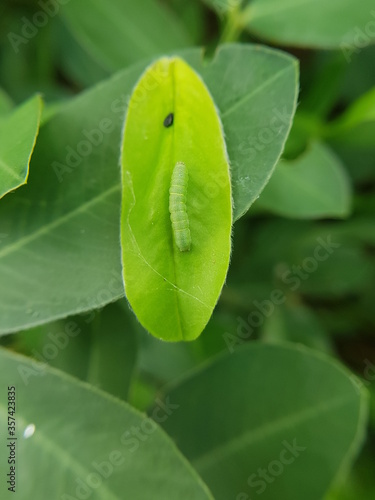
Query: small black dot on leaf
[{"x": 168, "y": 120}]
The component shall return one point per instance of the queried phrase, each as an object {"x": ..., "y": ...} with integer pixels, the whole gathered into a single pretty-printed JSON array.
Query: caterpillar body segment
[{"x": 177, "y": 207}]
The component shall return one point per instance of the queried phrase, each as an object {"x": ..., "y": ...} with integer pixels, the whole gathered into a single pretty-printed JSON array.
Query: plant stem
[{"x": 233, "y": 26}]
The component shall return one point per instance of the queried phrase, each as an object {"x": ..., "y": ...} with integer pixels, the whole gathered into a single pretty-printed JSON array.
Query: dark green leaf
[
  {"x": 5, "y": 102},
  {"x": 118, "y": 33},
  {"x": 87, "y": 442},
  {"x": 307, "y": 23},
  {"x": 113, "y": 351},
  {"x": 294, "y": 414},
  {"x": 100, "y": 347},
  {"x": 314, "y": 185},
  {"x": 296, "y": 323}
]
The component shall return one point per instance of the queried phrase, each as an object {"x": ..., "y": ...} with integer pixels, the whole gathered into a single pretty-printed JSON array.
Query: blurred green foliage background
[{"x": 321, "y": 194}]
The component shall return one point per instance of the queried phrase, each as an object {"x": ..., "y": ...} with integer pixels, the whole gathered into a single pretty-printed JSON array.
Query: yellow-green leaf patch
[
  {"x": 174, "y": 292},
  {"x": 18, "y": 132}
]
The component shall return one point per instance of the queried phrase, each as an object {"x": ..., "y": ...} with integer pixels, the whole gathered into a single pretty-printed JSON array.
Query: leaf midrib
[
  {"x": 176, "y": 293},
  {"x": 234, "y": 445},
  {"x": 41, "y": 231},
  {"x": 247, "y": 97}
]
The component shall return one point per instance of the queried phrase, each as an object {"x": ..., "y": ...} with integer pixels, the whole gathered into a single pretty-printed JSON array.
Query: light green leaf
[
  {"x": 71, "y": 237},
  {"x": 87, "y": 442},
  {"x": 315, "y": 185},
  {"x": 170, "y": 300},
  {"x": 118, "y": 33},
  {"x": 288, "y": 411},
  {"x": 361, "y": 111},
  {"x": 356, "y": 127},
  {"x": 18, "y": 132}
]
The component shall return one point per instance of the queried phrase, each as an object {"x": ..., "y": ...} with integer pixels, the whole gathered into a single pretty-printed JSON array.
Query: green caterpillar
[{"x": 177, "y": 207}]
